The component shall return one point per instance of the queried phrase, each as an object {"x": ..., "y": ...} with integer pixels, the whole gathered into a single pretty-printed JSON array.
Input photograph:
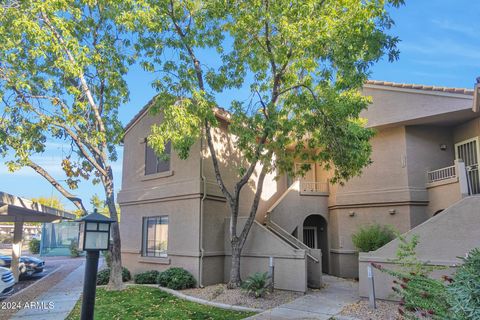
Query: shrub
[
  {"x": 34, "y": 246},
  {"x": 176, "y": 278},
  {"x": 372, "y": 237},
  {"x": 464, "y": 292},
  {"x": 104, "y": 275},
  {"x": 256, "y": 284},
  {"x": 74, "y": 252},
  {"x": 422, "y": 297},
  {"x": 148, "y": 277}
]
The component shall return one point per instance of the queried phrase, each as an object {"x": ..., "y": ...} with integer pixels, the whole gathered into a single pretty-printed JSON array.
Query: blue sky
[{"x": 440, "y": 45}]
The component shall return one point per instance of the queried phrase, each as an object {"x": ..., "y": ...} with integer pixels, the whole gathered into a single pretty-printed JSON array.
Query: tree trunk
[
  {"x": 235, "y": 279},
  {"x": 237, "y": 242},
  {"x": 115, "y": 282}
]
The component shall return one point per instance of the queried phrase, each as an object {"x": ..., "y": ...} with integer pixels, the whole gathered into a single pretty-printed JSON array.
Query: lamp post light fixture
[{"x": 94, "y": 236}]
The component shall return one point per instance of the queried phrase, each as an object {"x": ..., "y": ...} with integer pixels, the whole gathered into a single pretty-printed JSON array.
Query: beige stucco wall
[
  {"x": 183, "y": 244},
  {"x": 393, "y": 106},
  {"x": 175, "y": 193},
  {"x": 442, "y": 195},
  {"x": 291, "y": 212},
  {"x": 466, "y": 131},
  {"x": 290, "y": 263},
  {"x": 230, "y": 162},
  {"x": 385, "y": 179},
  {"x": 442, "y": 239},
  {"x": 402, "y": 154}
]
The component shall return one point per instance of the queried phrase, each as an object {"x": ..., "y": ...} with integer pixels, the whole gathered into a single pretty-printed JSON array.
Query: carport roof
[{"x": 13, "y": 208}]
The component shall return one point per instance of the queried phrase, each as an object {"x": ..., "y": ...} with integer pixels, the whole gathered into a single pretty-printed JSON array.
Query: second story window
[{"x": 155, "y": 164}]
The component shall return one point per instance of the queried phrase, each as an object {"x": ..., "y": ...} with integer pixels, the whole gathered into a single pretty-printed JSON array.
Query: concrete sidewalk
[
  {"x": 322, "y": 304},
  {"x": 58, "y": 301}
]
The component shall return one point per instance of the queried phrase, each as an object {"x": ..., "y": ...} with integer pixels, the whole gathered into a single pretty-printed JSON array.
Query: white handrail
[
  {"x": 313, "y": 187},
  {"x": 442, "y": 174}
]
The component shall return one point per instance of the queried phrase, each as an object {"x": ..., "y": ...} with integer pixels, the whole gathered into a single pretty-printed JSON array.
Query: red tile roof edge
[{"x": 420, "y": 87}]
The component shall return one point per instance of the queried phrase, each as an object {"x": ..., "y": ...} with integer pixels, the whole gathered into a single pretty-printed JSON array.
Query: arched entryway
[{"x": 315, "y": 235}]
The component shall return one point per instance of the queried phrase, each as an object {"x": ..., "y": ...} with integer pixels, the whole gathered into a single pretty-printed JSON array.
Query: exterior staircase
[{"x": 314, "y": 256}]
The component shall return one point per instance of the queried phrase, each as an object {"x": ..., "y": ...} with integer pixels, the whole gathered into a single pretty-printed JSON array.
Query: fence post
[
  {"x": 371, "y": 288},
  {"x": 271, "y": 273}
]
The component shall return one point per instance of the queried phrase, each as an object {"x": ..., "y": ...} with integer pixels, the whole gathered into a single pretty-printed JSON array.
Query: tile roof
[{"x": 420, "y": 87}]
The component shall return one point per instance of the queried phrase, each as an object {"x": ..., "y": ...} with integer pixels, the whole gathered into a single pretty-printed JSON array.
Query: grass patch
[{"x": 141, "y": 302}]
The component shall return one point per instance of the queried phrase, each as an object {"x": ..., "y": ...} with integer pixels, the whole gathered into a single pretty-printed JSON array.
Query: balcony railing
[
  {"x": 442, "y": 174},
  {"x": 313, "y": 187}
]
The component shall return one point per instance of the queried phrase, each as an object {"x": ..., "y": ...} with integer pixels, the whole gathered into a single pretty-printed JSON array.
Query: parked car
[
  {"x": 6, "y": 280},
  {"x": 27, "y": 265}
]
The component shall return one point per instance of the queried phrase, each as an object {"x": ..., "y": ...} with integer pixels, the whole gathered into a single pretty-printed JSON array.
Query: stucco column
[
  {"x": 462, "y": 178},
  {"x": 16, "y": 248}
]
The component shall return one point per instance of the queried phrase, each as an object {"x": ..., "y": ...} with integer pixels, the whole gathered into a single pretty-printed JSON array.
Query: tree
[
  {"x": 306, "y": 60},
  {"x": 61, "y": 78},
  {"x": 52, "y": 202}
]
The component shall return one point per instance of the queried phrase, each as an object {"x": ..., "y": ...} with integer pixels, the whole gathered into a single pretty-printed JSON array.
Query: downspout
[{"x": 200, "y": 240}]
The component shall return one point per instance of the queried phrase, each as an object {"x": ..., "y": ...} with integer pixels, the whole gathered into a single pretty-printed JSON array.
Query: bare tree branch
[{"x": 74, "y": 199}]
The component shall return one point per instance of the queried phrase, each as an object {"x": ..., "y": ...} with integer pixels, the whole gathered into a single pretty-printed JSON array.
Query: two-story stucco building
[{"x": 425, "y": 158}]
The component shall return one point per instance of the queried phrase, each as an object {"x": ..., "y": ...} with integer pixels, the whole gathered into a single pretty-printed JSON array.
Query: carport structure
[{"x": 19, "y": 210}]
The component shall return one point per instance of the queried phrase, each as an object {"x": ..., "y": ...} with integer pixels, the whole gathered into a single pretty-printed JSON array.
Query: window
[
  {"x": 155, "y": 236},
  {"x": 155, "y": 164}
]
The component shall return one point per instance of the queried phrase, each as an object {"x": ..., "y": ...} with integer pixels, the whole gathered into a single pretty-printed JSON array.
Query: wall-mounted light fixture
[
  {"x": 351, "y": 213},
  {"x": 392, "y": 211},
  {"x": 443, "y": 147}
]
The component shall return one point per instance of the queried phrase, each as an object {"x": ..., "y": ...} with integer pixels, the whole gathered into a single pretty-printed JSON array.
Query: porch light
[
  {"x": 94, "y": 232},
  {"x": 94, "y": 236}
]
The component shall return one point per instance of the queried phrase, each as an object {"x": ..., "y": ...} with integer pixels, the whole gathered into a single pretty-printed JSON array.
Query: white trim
[
  {"x": 420, "y": 91},
  {"x": 476, "y": 139}
]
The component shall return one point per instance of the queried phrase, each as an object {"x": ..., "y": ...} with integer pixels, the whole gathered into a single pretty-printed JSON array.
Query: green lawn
[{"x": 140, "y": 302}]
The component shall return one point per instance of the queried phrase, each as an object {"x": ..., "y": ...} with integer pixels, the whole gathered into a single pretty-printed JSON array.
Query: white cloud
[
  {"x": 467, "y": 30},
  {"x": 444, "y": 47}
]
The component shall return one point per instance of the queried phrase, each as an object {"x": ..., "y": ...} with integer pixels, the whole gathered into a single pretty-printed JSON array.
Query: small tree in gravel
[{"x": 424, "y": 297}]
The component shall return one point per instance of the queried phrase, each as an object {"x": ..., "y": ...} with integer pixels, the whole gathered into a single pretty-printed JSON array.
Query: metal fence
[{"x": 57, "y": 238}]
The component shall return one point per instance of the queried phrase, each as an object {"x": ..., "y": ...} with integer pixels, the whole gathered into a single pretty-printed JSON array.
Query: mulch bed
[{"x": 237, "y": 297}]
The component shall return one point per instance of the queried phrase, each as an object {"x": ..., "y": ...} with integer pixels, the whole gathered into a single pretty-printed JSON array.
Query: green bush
[
  {"x": 464, "y": 292},
  {"x": 104, "y": 276},
  {"x": 74, "y": 252},
  {"x": 256, "y": 284},
  {"x": 176, "y": 278},
  {"x": 372, "y": 237},
  {"x": 34, "y": 246},
  {"x": 148, "y": 277}
]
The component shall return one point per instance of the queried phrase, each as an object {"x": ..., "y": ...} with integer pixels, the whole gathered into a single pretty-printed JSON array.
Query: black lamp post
[{"x": 94, "y": 236}]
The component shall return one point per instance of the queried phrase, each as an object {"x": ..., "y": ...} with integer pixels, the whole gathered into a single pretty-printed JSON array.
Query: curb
[
  {"x": 206, "y": 302},
  {"x": 209, "y": 303},
  {"x": 36, "y": 282}
]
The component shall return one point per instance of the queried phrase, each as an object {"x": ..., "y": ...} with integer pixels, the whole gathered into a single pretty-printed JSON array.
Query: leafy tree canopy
[{"x": 305, "y": 62}]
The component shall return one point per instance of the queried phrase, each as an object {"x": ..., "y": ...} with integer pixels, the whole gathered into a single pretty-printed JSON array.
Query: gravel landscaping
[
  {"x": 386, "y": 310},
  {"x": 237, "y": 297}
]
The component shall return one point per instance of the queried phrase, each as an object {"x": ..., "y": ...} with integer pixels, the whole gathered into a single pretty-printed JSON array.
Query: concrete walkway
[
  {"x": 322, "y": 304},
  {"x": 58, "y": 301}
]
